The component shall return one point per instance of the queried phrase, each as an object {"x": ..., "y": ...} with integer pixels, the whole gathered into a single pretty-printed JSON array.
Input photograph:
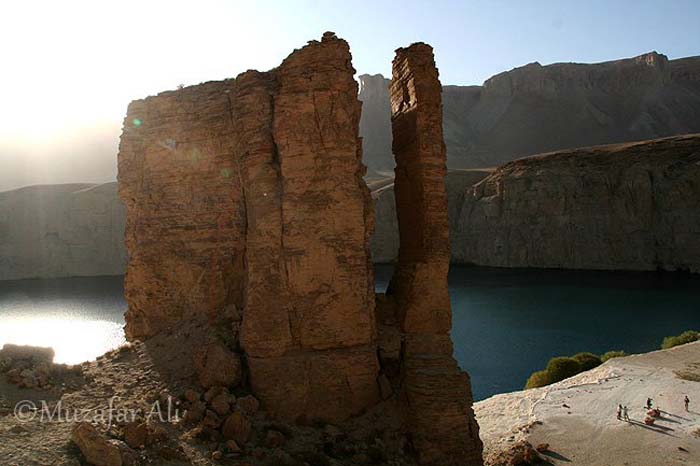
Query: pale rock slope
[
  {"x": 64, "y": 230},
  {"x": 577, "y": 418}
]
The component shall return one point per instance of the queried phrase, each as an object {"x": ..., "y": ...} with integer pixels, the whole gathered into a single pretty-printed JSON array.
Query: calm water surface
[
  {"x": 509, "y": 323},
  {"x": 80, "y": 318},
  {"x": 506, "y": 323}
]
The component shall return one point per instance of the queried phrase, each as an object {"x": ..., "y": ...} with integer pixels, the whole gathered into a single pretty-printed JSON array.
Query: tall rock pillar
[
  {"x": 308, "y": 322},
  {"x": 437, "y": 392}
]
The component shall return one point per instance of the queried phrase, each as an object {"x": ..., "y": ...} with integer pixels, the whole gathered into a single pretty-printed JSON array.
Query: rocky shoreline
[
  {"x": 558, "y": 423},
  {"x": 129, "y": 407}
]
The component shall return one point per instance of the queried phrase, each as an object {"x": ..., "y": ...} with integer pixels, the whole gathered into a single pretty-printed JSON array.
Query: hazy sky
[{"x": 69, "y": 68}]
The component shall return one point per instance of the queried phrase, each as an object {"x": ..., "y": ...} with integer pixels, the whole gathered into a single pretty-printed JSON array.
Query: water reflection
[
  {"x": 80, "y": 318},
  {"x": 506, "y": 323}
]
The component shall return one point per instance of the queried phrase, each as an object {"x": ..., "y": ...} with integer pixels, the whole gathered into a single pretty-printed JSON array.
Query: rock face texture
[
  {"x": 308, "y": 327},
  {"x": 185, "y": 227},
  {"x": 620, "y": 207},
  {"x": 534, "y": 109},
  {"x": 61, "y": 231},
  {"x": 437, "y": 392},
  {"x": 249, "y": 193}
]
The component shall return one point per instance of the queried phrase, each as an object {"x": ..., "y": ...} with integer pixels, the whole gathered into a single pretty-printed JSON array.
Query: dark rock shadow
[{"x": 556, "y": 456}]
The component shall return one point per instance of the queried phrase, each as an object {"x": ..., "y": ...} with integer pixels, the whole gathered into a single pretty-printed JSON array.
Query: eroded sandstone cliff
[
  {"x": 248, "y": 193},
  {"x": 65, "y": 230},
  {"x": 185, "y": 228},
  {"x": 248, "y": 215},
  {"x": 621, "y": 207},
  {"x": 418, "y": 294}
]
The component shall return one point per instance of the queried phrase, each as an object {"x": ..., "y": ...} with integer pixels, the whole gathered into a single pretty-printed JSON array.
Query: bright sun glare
[
  {"x": 73, "y": 340},
  {"x": 79, "y": 63}
]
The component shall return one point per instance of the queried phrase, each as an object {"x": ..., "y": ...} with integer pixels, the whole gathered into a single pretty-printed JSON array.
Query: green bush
[
  {"x": 561, "y": 368},
  {"x": 685, "y": 337},
  {"x": 538, "y": 379},
  {"x": 588, "y": 361},
  {"x": 613, "y": 354}
]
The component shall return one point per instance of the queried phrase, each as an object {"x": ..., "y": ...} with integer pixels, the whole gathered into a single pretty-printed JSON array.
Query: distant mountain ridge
[
  {"x": 524, "y": 111},
  {"x": 534, "y": 109}
]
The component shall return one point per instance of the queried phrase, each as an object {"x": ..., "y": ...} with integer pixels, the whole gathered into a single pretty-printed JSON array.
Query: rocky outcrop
[
  {"x": 98, "y": 450},
  {"x": 247, "y": 209},
  {"x": 535, "y": 109},
  {"x": 620, "y": 207},
  {"x": 249, "y": 193},
  {"x": 437, "y": 393},
  {"x": 61, "y": 231}
]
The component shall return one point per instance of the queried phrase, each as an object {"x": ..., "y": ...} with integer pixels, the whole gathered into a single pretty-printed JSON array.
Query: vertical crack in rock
[
  {"x": 437, "y": 392},
  {"x": 326, "y": 248},
  {"x": 265, "y": 329}
]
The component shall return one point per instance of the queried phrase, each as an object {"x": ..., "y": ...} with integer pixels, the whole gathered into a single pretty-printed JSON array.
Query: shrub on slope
[{"x": 688, "y": 336}]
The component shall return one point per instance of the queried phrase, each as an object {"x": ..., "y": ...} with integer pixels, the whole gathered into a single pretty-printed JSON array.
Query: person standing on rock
[
  {"x": 649, "y": 400},
  {"x": 686, "y": 401},
  {"x": 625, "y": 413},
  {"x": 619, "y": 412}
]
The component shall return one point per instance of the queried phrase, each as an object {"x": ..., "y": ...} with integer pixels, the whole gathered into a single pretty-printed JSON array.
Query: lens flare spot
[
  {"x": 136, "y": 122},
  {"x": 226, "y": 173}
]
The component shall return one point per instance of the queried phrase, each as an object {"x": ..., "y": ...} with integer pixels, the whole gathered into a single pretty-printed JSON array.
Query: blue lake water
[{"x": 506, "y": 323}]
